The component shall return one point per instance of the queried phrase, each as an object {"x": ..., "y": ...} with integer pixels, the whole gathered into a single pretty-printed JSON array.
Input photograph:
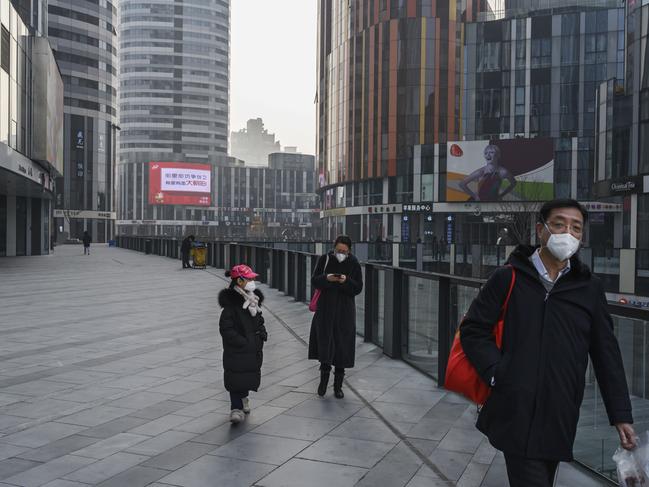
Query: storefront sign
[
  {"x": 418, "y": 208},
  {"x": 383, "y": 209},
  {"x": 81, "y": 214},
  {"x": 624, "y": 186}
]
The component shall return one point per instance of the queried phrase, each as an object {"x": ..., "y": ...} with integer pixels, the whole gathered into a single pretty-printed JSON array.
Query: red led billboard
[{"x": 180, "y": 183}]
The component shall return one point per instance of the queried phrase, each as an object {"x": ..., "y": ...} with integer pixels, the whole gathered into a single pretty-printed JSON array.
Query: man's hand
[
  {"x": 627, "y": 435},
  {"x": 342, "y": 278},
  {"x": 332, "y": 278}
]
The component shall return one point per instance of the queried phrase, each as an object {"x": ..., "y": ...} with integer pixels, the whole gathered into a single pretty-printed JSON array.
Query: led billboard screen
[
  {"x": 180, "y": 183},
  {"x": 500, "y": 170}
]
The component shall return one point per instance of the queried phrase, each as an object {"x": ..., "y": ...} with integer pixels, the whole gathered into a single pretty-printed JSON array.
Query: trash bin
[
  {"x": 148, "y": 244},
  {"x": 112, "y": 243},
  {"x": 199, "y": 256}
]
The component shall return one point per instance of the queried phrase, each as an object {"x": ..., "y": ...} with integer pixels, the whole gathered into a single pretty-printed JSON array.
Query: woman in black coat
[
  {"x": 242, "y": 328},
  {"x": 332, "y": 341}
]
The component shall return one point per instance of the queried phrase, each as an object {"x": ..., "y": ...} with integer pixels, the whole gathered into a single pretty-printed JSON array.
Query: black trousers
[
  {"x": 528, "y": 472},
  {"x": 236, "y": 399},
  {"x": 327, "y": 368},
  {"x": 186, "y": 259}
]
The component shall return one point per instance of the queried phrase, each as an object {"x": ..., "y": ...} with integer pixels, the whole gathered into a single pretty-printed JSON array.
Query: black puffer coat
[
  {"x": 540, "y": 374},
  {"x": 333, "y": 329},
  {"x": 243, "y": 340}
]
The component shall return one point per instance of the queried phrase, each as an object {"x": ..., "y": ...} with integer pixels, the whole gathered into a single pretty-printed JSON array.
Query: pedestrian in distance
[
  {"x": 332, "y": 340},
  {"x": 86, "y": 239},
  {"x": 242, "y": 328},
  {"x": 185, "y": 249},
  {"x": 556, "y": 318}
]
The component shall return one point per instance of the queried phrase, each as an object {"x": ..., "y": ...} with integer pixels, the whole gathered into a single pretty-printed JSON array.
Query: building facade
[
  {"x": 277, "y": 202},
  {"x": 622, "y": 152},
  {"x": 253, "y": 144},
  {"x": 31, "y": 135},
  {"x": 84, "y": 39},
  {"x": 174, "y": 90}
]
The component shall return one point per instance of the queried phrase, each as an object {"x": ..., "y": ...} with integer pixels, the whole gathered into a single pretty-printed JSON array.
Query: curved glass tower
[
  {"x": 84, "y": 39},
  {"x": 174, "y": 80}
]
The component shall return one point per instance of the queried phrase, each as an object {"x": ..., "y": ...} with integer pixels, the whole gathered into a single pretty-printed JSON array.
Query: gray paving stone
[
  {"x": 140, "y": 400},
  {"x": 290, "y": 400},
  {"x": 42, "y": 434},
  {"x": 160, "y": 425},
  {"x": 457, "y": 440},
  {"x": 134, "y": 477},
  {"x": 224, "y": 433},
  {"x": 177, "y": 387},
  {"x": 451, "y": 464},
  {"x": 13, "y": 466},
  {"x": 106, "y": 468},
  {"x": 401, "y": 412},
  {"x": 204, "y": 423},
  {"x": 307, "y": 473},
  {"x": 112, "y": 428},
  {"x": 158, "y": 410},
  {"x": 95, "y": 416},
  {"x": 365, "y": 429},
  {"x": 401, "y": 395},
  {"x": 161, "y": 443},
  {"x": 260, "y": 448},
  {"x": 229, "y": 472},
  {"x": 110, "y": 446},
  {"x": 181, "y": 455},
  {"x": 57, "y": 448},
  {"x": 308, "y": 429},
  {"x": 328, "y": 408},
  {"x": 46, "y": 472},
  {"x": 389, "y": 473},
  {"x": 8, "y": 451},
  {"x": 64, "y": 483},
  {"x": 205, "y": 406},
  {"x": 347, "y": 451},
  {"x": 473, "y": 475},
  {"x": 11, "y": 423},
  {"x": 43, "y": 407}
]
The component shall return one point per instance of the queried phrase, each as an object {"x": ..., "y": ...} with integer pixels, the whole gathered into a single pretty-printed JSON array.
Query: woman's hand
[
  {"x": 332, "y": 278},
  {"x": 342, "y": 278}
]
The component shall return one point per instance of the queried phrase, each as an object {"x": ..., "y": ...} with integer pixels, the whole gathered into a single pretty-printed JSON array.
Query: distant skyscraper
[
  {"x": 174, "y": 80},
  {"x": 84, "y": 40},
  {"x": 174, "y": 103},
  {"x": 253, "y": 144}
]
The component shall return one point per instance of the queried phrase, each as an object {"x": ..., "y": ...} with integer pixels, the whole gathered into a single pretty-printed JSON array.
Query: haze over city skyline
[{"x": 273, "y": 63}]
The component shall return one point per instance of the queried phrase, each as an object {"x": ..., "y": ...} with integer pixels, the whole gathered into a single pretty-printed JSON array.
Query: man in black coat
[
  {"x": 557, "y": 316},
  {"x": 185, "y": 249}
]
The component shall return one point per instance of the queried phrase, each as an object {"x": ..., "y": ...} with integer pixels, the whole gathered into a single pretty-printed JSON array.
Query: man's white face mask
[
  {"x": 562, "y": 245},
  {"x": 340, "y": 256}
]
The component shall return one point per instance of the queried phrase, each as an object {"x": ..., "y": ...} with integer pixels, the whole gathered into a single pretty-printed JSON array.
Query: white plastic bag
[
  {"x": 628, "y": 473},
  {"x": 633, "y": 466}
]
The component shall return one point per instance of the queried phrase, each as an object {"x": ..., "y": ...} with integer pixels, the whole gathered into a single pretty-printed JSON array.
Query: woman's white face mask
[
  {"x": 340, "y": 257},
  {"x": 562, "y": 245},
  {"x": 250, "y": 286}
]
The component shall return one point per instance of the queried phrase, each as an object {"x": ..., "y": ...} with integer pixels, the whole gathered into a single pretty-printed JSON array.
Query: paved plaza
[{"x": 110, "y": 375}]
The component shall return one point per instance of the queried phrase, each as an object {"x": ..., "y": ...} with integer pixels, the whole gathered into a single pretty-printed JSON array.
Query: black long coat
[
  {"x": 333, "y": 328},
  {"x": 243, "y": 340},
  {"x": 540, "y": 375}
]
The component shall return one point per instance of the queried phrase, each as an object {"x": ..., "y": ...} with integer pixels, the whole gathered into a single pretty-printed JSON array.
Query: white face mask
[
  {"x": 250, "y": 286},
  {"x": 562, "y": 245},
  {"x": 340, "y": 256}
]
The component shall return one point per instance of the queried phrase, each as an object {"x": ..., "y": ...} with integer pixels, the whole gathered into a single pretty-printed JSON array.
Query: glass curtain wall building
[
  {"x": 389, "y": 79},
  {"x": 174, "y": 85},
  {"x": 31, "y": 135},
  {"x": 84, "y": 38}
]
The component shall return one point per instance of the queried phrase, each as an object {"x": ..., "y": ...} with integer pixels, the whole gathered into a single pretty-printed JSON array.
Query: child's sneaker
[
  {"x": 236, "y": 416},
  {"x": 246, "y": 405}
]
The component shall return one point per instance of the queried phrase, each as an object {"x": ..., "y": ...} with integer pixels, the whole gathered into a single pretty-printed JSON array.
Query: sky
[{"x": 273, "y": 68}]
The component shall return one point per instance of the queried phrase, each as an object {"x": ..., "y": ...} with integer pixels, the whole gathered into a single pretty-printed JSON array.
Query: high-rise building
[
  {"x": 84, "y": 39},
  {"x": 31, "y": 134},
  {"x": 253, "y": 144},
  {"x": 174, "y": 94},
  {"x": 389, "y": 78}
]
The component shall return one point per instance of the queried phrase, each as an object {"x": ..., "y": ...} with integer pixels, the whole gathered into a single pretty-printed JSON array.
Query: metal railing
[{"x": 413, "y": 316}]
